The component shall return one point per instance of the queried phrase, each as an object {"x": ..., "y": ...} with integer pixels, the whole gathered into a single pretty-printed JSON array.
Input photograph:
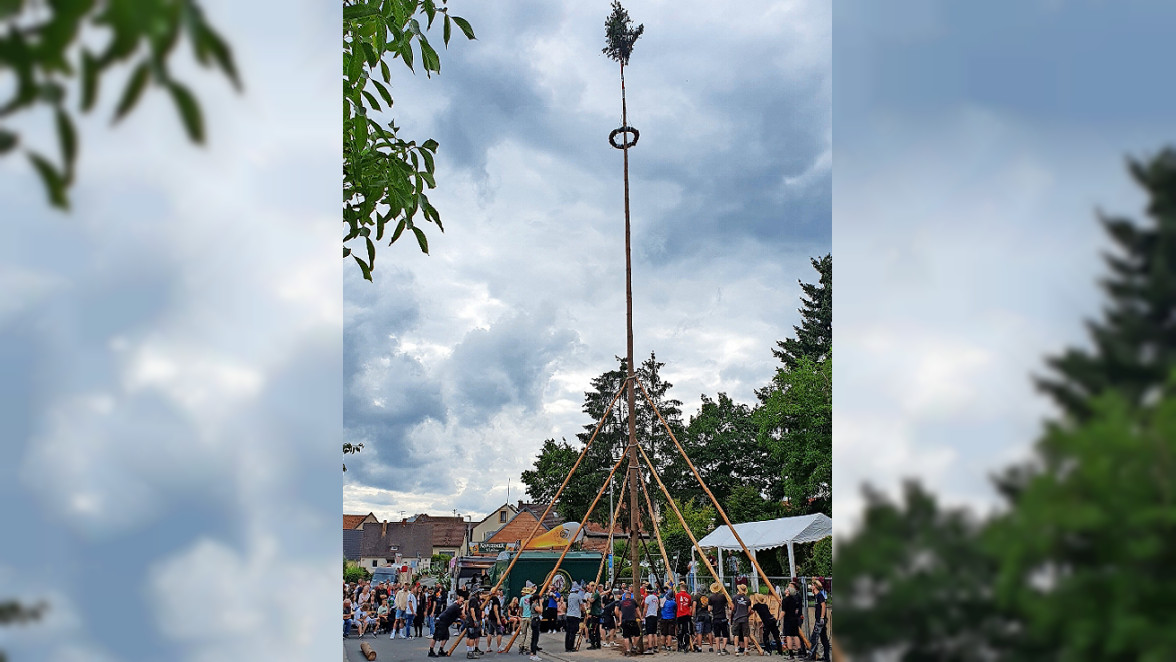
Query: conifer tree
[
  {"x": 1134, "y": 343},
  {"x": 814, "y": 336}
]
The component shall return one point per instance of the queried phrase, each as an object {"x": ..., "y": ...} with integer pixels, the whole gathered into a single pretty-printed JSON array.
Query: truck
[{"x": 580, "y": 567}]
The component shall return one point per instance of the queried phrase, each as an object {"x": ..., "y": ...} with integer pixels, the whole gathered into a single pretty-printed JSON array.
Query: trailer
[{"x": 535, "y": 566}]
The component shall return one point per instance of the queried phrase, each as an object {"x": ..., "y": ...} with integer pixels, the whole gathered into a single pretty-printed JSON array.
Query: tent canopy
[{"x": 772, "y": 533}]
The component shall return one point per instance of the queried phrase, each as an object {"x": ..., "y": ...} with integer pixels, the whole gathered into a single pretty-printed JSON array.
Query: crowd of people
[{"x": 644, "y": 620}]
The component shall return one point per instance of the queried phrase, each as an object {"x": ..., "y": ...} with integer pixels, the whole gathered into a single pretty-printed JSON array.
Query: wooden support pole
[
  {"x": 656, "y": 531},
  {"x": 611, "y": 528},
  {"x": 539, "y": 522},
  {"x": 690, "y": 533},
  {"x": 587, "y": 515},
  {"x": 719, "y": 508}
]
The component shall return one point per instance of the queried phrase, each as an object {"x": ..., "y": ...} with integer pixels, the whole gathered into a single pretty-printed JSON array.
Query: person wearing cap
[
  {"x": 820, "y": 613},
  {"x": 473, "y": 625},
  {"x": 685, "y": 630},
  {"x": 717, "y": 600},
  {"x": 525, "y": 620},
  {"x": 740, "y": 619},
  {"x": 626, "y": 612},
  {"x": 572, "y": 618},
  {"x": 761, "y": 605}
]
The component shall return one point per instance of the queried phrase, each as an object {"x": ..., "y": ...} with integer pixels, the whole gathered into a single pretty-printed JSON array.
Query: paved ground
[{"x": 552, "y": 645}]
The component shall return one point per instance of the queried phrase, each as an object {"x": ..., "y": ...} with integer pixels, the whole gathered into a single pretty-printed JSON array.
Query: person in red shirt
[{"x": 685, "y": 627}]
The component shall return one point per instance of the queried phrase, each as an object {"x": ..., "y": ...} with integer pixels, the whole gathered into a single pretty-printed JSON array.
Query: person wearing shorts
[
  {"x": 702, "y": 623},
  {"x": 626, "y": 612},
  {"x": 651, "y": 604},
  {"x": 473, "y": 626},
  {"x": 741, "y": 619},
  {"x": 717, "y": 602},
  {"x": 444, "y": 621}
]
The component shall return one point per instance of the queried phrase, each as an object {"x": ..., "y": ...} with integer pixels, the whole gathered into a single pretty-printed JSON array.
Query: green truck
[{"x": 535, "y": 566}]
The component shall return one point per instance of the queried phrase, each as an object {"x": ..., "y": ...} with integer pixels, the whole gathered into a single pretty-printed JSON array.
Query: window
[
  {"x": 373, "y": 563},
  {"x": 502, "y": 516}
]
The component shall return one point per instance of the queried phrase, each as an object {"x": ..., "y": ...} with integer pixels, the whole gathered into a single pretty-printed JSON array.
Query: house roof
[
  {"x": 355, "y": 521},
  {"x": 447, "y": 531},
  {"x": 411, "y": 540},
  {"x": 536, "y": 509},
  {"x": 352, "y": 544}
]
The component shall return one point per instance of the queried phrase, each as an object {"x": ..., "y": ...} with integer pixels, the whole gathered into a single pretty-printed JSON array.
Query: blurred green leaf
[
  {"x": 68, "y": 138},
  {"x": 189, "y": 111},
  {"x": 133, "y": 90},
  {"x": 54, "y": 182}
]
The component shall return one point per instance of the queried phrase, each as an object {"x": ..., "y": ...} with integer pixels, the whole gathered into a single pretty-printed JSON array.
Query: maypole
[{"x": 620, "y": 37}]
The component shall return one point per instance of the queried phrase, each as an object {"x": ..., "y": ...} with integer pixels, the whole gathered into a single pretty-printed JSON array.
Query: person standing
[
  {"x": 495, "y": 621},
  {"x": 702, "y": 623},
  {"x": 821, "y": 614},
  {"x": 668, "y": 623},
  {"x": 536, "y": 607},
  {"x": 790, "y": 620},
  {"x": 718, "y": 609},
  {"x": 592, "y": 600},
  {"x": 410, "y": 614},
  {"x": 550, "y": 611},
  {"x": 524, "y": 623},
  {"x": 652, "y": 605},
  {"x": 626, "y": 612},
  {"x": 685, "y": 630},
  {"x": 401, "y": 608},
  {"x": 572, "y": 618},
  {"x": 740, "y": 617},
  {"x": 608, "y": 616},
  {"x": 473, "y": 625}
]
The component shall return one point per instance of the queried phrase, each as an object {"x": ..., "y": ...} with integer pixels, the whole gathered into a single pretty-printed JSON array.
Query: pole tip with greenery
[{"x": 620, "y": 34}]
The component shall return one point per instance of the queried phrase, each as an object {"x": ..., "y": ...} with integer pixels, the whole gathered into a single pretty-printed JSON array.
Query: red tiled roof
[{"x": 353, "y": 521}]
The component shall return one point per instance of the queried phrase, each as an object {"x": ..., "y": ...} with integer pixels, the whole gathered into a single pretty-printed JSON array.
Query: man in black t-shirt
[
  {"x": 718, "y": 609},
  {"x": 444, "y": 621},
  {"x": 820, "y": 613},
  {"x": 626, "y": 612}
]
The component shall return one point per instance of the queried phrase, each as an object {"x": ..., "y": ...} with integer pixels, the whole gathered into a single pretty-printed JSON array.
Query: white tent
[{"x": 770, "y": 534}]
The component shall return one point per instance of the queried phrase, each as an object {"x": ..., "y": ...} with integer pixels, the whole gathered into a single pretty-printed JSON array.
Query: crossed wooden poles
[{"x": 653, "y": 471}]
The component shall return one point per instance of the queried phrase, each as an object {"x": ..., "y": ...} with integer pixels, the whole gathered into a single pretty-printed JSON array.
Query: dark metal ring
[{"x": 625, "y": 130}]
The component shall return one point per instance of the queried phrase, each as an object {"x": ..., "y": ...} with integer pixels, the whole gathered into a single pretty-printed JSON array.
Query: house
[
  {"x": 518, "y": 528},
  {"x": 493, "y": 522},
  {"x": 397, "y": 543},
  {"x": 353, "y": 535},
  {"x": 450, "y": 534},
  {"x": 536, "y": 509}
]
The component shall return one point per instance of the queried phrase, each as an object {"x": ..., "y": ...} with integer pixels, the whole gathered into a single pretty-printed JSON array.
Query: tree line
[{"x": 764, "y": 459}]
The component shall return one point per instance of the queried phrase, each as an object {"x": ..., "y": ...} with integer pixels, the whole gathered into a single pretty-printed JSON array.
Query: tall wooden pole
[{"x": 634, "y": 471}]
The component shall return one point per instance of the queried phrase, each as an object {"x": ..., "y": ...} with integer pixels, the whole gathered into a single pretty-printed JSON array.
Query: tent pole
[
  {"x": 754, "y": 577},
  {"x": 791, "y": 562}
]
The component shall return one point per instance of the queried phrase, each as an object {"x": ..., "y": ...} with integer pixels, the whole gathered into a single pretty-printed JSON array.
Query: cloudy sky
[
  {"x": 170, "y": 364},
  {"x": 458, "y": 365},
  {"x": 975, "y": 142}
]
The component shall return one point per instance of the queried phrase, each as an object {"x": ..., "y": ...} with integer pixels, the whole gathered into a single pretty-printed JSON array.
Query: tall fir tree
[
  {"x": 1134, "y": 344},
  {"x": 814, "y": 336}
]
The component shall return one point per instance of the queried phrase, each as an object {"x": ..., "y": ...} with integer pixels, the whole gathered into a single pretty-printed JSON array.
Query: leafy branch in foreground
[
  {"x": 38, "y": 54},
  {"x": 385, "y": 178}
]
